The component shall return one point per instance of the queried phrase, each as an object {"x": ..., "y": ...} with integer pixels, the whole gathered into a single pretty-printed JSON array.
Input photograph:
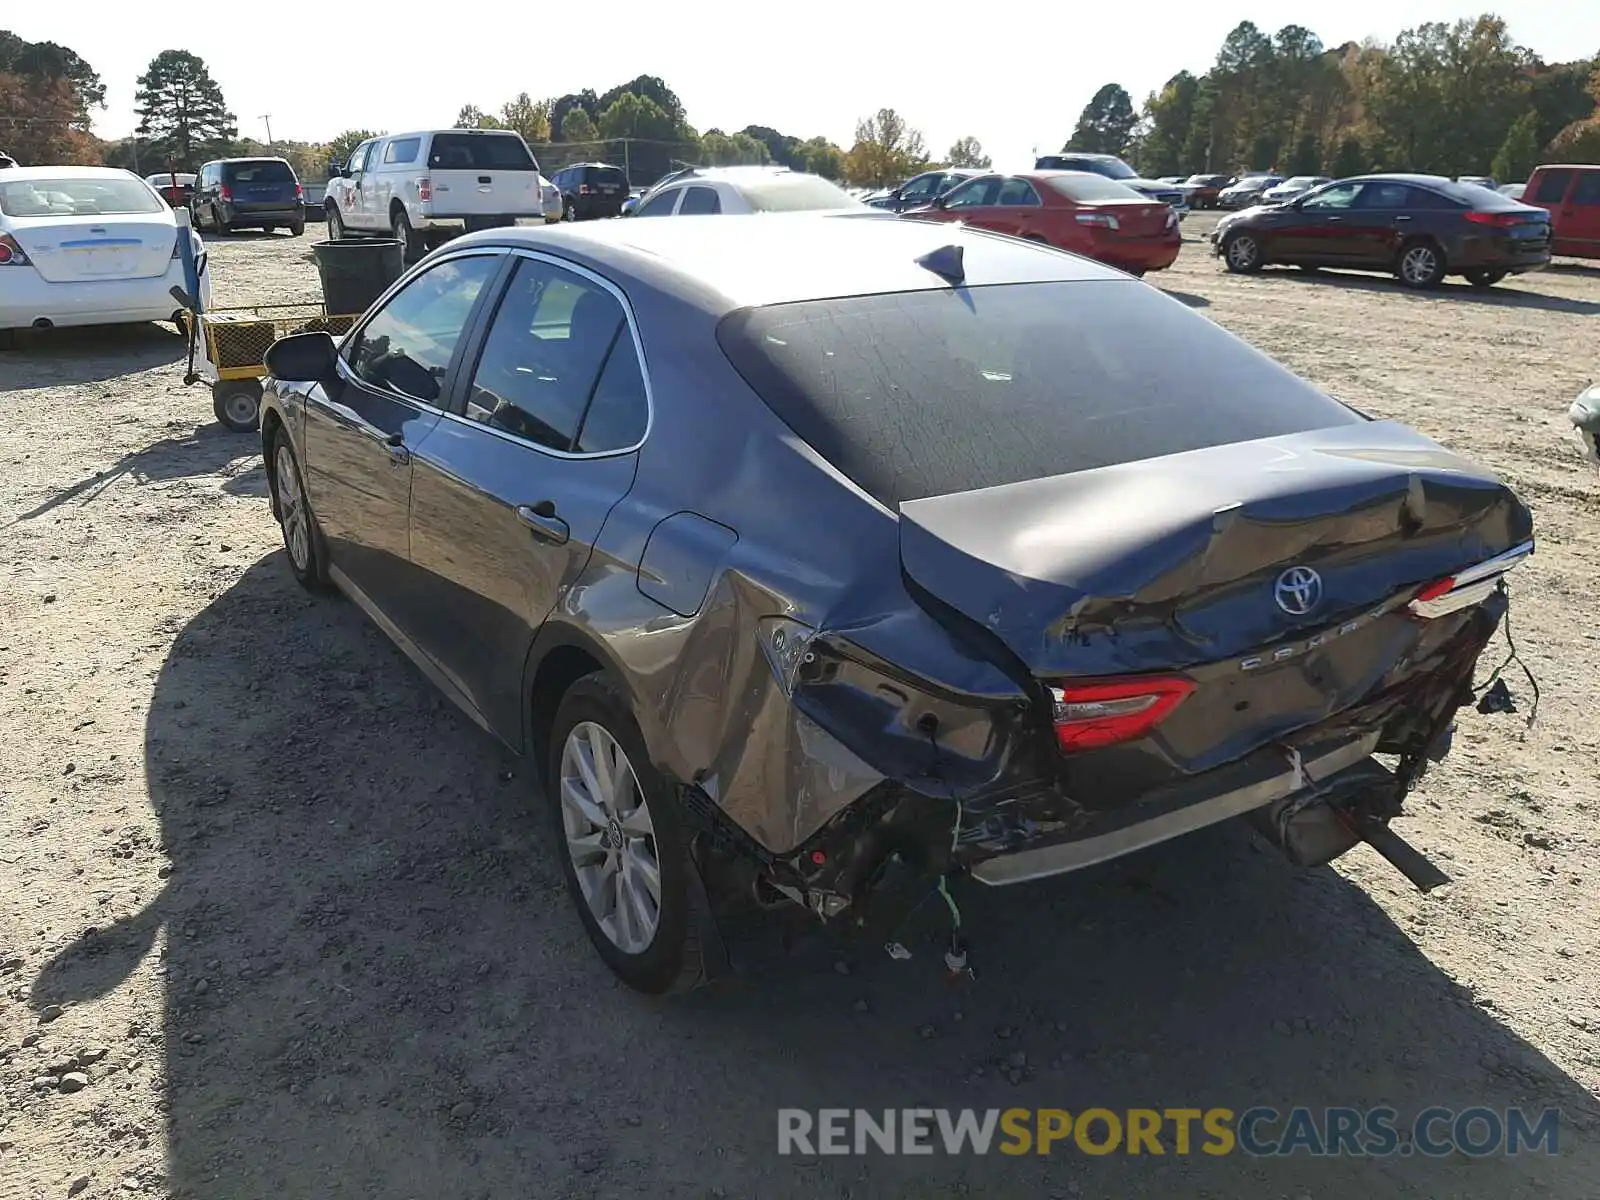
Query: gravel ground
[{"x": 276, "y": 921}]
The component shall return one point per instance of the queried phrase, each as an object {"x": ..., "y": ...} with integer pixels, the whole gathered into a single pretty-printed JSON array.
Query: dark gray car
[{"x": 830, "y": 558}]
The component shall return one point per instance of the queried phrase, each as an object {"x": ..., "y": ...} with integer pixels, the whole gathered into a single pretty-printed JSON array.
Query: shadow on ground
[
  {"x": 46, "y": 358},
  {"x": 375, "y": 984},
  {"x": 1513, "y": 296},
  {"x": 206, "y": 451}
]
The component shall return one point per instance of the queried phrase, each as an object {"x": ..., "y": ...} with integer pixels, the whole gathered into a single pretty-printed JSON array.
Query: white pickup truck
[{"x": 424, "y": 188}]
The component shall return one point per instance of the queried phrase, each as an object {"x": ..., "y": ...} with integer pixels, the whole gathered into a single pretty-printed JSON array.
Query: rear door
[
  {"x": 395, "y": 373},
  {"x": 1581, "y": 215},
  {"x": 1386, "y": 213},
  {"x": 475, "y": 173},
  {"x": 264, "y": 185},
  {"x": 512, "y": 489},
  {"x": 1548, "y": 189}
]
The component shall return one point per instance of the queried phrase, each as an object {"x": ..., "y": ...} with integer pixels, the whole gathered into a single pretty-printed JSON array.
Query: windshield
[
  {"x": 480, "y": 152},
  {"x": 1088, "y": 189},
  {"x": 266, "y": 170},
  {"x": 793, "y": 193},
  {"x": 915, "y": 394},
  {"x": 108, "y": 197}
]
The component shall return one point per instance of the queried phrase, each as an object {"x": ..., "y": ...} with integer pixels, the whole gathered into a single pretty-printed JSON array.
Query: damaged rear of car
[{"x": 1211, "y": 589}]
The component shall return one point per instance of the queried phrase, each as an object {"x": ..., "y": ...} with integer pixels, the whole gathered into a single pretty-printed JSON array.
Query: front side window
[
  {"x": 699, "y": 201},
  {"x": 977, "y": 194},
  {"x": 402, "y": 150},
  {"x": 358, "y": 160},
  {"x": 1552, "y": 187},
  {"x": 1339, "y": 196},
  {"x": 659, "y": 205},
  {"x": 923, "y": 187},
  {"x": 406, "y": 348},
  {"x": 554, "y": 369}
]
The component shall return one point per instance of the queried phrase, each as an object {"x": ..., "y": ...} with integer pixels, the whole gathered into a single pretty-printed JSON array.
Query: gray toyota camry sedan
[{"x": 837, "y": 561}]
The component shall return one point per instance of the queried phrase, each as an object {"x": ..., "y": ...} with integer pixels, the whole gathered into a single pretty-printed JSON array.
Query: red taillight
[
  {"x": 11, "y": 254},
  {"x": 424, "y": 189},
  {"x": 225, "y": 192},
  {"x": 299, "y": 193},
  {"x": 583, "y": 189},
  {"x": 1090, "y": 715},
  {"x": 1434, "y": 590},
  {"x": 1502, "y": 220}
]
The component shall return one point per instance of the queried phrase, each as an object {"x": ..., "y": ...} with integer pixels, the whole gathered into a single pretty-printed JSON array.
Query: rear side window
[
  {"x": 699, "y": 201},
  {"x": 480, "y": 152},
  {"x": 402, "y": 150},
  {"x": 1552, "y": 187},
  {"x": 919, "y": 394},
  {"x": 1588, "y": 189},
  {"x": 554, "y": 369},
  {"x": 266, "y": 171}
]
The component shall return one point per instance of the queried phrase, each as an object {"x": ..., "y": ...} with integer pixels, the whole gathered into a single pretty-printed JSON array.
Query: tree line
[{"x": 1448, "y": 99}]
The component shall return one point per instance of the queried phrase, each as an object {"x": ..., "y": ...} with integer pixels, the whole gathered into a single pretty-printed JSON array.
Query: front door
[
  {"x": 512, "y": 489},
  {"x": 361, "y": 432},
  {"x": 1320, "y": 229}
]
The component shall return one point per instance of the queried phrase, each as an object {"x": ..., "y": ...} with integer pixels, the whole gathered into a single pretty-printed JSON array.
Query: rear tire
[
  {"x": 1484, "y": 278},
  {"x": 652, "y": 944},
  {"x": 219, "y": 224},
  {"x": 1241, "y": 252},
  {"x": 8, "y": 339},
  {"x": 411, "y": 246},
  {"x": 1421, "y": 265}
]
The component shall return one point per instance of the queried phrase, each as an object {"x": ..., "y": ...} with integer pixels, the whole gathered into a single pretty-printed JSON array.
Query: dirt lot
[{"x": 275, "y": 921}]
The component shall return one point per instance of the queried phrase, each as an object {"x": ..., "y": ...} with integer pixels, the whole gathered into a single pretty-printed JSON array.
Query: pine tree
[{"x": 182, "y": 112}]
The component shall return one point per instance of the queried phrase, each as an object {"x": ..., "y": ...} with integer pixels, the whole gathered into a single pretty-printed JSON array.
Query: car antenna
[{"x": 945, "y": 262}]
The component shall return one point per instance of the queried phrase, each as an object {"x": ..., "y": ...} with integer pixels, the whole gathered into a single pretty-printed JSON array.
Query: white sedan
[{"x": 87, "y": 246}]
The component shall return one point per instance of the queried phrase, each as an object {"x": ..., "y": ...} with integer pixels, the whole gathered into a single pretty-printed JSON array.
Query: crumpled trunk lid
[{"x": 1178, "y": 560}]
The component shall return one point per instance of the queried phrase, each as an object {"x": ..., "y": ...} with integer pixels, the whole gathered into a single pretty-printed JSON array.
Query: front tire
[
  {"x": 302, "y": 539},
  {"x": 1242, "y": 253},
  {"x": 624, "y": 849},
  {"x": 335, "y": 223},
  {"x": 1485, "y": 278},
  {"x": 1421, "y": 265}
]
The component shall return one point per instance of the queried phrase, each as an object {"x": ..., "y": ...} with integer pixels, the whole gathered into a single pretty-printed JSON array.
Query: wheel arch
[{"x": 561, "y": 655}]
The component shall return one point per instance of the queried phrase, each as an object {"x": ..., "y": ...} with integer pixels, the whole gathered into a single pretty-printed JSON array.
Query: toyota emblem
[{"x": 1298, "y": 591}]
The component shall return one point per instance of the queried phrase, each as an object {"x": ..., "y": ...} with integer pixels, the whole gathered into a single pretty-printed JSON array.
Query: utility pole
[{"x": 267, "y": 117}]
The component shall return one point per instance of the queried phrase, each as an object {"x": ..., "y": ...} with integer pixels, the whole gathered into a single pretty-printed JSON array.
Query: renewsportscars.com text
[{"x": 1258, "y": 1131}]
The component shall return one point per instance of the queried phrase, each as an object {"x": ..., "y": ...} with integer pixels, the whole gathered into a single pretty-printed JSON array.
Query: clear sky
[{"x": 1014, "y": 74}]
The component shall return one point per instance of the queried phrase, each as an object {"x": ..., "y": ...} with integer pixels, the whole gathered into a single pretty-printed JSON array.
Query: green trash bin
[{"x": 356, "y": 271}]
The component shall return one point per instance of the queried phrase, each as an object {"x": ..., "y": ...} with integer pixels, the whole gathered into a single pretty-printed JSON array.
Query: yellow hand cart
[{"x": 228, "y": 349}]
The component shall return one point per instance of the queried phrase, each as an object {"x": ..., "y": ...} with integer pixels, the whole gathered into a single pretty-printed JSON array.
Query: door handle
[
  {"x": 1402, "y": 217},
  {"x": 541, "y": 519},
  {"x": 395, "y": 444},
  {"x": 1335, "y": 220}
]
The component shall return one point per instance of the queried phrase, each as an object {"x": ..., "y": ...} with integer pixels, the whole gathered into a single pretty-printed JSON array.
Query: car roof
[
  {"x": 1401, "y": 177},
  {"x": 1081, "y": 154},
  {"x": 727, "y": 262},
  {"x": 1568, "y": 167},
  {"x": 15, "y": 173},
  {"x": 244, "y": 158},
  {"x": 420, "y": 133}
]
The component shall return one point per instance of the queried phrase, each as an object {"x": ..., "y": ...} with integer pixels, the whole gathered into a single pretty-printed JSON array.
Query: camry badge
[{"x": 1298, "y": 591}]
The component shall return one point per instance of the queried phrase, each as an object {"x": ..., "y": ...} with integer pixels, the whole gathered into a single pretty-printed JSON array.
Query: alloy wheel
[
  {"x": 1419, "y": 264},
  {"x": 292, "y": 510},
  {"x": 610, "y": 837},
  {"x": 1242, "y": 252}
]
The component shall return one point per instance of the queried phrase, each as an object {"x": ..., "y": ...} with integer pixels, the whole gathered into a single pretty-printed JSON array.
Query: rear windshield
[
  {"x": 1111, "y": 168},
  {"x": 480, "y": 152},
  {"x": 792, "y": 193},
  {"x": 1484, "y": 199},
  {"x": 77, "y": 198},
  {"x": 1090, "y": 189},
  {"x": 268, "y": 170},
  {"x": 605, "y": 175},
  {"x": 915, "y": 394}
]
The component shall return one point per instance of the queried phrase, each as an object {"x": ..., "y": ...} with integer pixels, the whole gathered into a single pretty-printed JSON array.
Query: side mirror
[
  {"x": 936, "y": 202},
  {"x": 335, "y": 170},
  {"x": 303, "y": 358}
]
